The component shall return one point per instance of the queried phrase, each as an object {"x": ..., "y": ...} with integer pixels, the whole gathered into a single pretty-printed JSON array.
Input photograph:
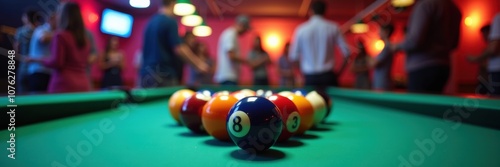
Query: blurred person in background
[
  {"x": 39, "y": 75},
  {"x": 285, "y": 68},
  {"x": 361, "y": 68},
  {"x": 433, "y": 33},
  {"x": 70, "y": 50},
  {"x": 382, "y": 64},
  {"x": 111, "y": 63},
  {"x": 492, "y": 53},
  {"x": 258, "y": 59},
  {"x": 22, "y": 46}
]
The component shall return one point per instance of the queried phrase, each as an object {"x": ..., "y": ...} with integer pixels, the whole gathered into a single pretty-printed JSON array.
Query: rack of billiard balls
[{"x": 253, "y": 120}]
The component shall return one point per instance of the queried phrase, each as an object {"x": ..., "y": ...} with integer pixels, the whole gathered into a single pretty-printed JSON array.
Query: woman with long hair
[
  {"x": 258, "y": 61},
  {"x": 69, "y": 52},
  {"x": 112, "y": 63}
]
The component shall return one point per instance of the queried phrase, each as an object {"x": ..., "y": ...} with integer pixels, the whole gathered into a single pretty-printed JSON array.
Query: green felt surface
[
  {"x": 356, "y": 135},
  {"x": 45, "y": 99},
  {"x": 38, "y": 108}
]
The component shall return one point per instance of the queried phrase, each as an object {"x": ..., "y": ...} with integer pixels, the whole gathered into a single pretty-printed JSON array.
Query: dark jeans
[
  {"x": 490, "y": 85},
  {"x": 260, "y": 81},
  {"x": 429, "y": 80},
  {"x": 39, "y": 82},
  {"x": 228, "y": 83},
  {"x": 322, "y": 80}
]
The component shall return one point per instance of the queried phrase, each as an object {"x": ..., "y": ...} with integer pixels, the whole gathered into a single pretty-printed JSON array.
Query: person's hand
[{"x": 202, "y": 67}]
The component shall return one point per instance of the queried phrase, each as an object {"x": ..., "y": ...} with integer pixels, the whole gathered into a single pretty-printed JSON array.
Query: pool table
[{"x": 134, "y": 128}]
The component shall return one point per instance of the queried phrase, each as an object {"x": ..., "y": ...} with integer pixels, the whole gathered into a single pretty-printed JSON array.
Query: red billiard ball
[
  {"x": 191, "y": 112},
  {"x": 306, "y": 112},
  {"x": 289, "y": 114},
  {"x": 214, "y": 116},
  {"x": 175, "y": 103},
  {"x": 254, "y": 124}
]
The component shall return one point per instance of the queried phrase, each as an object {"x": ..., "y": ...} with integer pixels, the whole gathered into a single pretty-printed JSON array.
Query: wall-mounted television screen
[{"x": 116, "y": 23}]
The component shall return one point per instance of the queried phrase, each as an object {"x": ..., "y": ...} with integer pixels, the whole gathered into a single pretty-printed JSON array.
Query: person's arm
[
  {"x": 231, "y": 49},
  {"x": 122, "y": 60},
  {"x": 493, "y": 48},
  {"x": 102, "y": 62},
  {"x": 420, "y": 24},
  {"x": 46, "y": 37},
  {"x": 188, "y": 56},
  {"x": 264, "y": 60},
  {"x": 344, "y": 48}
]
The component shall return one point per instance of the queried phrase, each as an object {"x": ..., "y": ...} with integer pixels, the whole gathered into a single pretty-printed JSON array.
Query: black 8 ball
[{"x": 254, "y": 124}]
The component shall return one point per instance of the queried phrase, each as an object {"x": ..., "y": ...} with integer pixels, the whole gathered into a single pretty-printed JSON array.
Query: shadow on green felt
[
  {"x": 320, "y": 128},
  {"x": 192, "y": 134},
  {"x": 268, "y": 155},
  {"x": 174, "y": 125},
  {"x": 306, "y": 136},
  {"x": 218, "y": 143},
  {"x": 332, "y": 123},
  {"x": 289, "y": 144}
]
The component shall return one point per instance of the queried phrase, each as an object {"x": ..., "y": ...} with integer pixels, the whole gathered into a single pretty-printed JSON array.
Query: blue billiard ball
[
  {"x": 301, "y": 92},
  {"x": 254, "y": 124}
]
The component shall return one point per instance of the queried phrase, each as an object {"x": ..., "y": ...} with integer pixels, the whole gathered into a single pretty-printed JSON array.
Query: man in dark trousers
[{"x": 433, "y": 33}]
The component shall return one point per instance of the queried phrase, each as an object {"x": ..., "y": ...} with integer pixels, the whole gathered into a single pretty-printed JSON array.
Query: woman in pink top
[{"x": 69, "y": 52}]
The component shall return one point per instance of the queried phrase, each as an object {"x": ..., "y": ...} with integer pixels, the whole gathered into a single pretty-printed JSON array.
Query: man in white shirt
[
  {"x": 492, "y": 53},
  {"x": 228, "y": 53},
  {"x": 313, "y": 45}
]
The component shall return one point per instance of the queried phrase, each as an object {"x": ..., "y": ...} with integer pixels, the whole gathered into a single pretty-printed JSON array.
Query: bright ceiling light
[
  {"x": 202, "y": 30},
  {"x": 402, "y": 3},
  {"x": 192, "y": 20},
  {"x": 139, "y": 3},
  {"x": 183, "y": 8},
  {"x": 359, "y": 28}
]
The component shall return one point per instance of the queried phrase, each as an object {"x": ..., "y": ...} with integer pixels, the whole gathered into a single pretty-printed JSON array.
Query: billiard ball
[
  {"x": 224, "y": 92},
  {"x": 254, "y": 124},
  {"x": 243, "y": 93},
  {"x": 175, "y": 103},
  {"x": 248, "y": 92},
  {"x": 285, "y": 93},
  {"x": 319, "y": 106},
  {"x": 264, "y": 93},
  {"x": 329, "y": 103},
  {"x": 306, "y": 112},
  {"x": 289, "y": 114},
  {"x": 301, "y": 92},
  {"x": 206, "y": 92},
  {"x": 191, "y": 112},
  {"x": 214, "y": 116}
]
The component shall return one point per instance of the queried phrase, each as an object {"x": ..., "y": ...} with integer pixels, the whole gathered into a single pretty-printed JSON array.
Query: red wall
[{"x": 481, "y": 12}]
